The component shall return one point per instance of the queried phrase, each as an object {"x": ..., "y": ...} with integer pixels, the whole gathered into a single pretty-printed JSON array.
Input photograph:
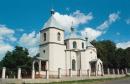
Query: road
[{"x": 123, "y": 81}]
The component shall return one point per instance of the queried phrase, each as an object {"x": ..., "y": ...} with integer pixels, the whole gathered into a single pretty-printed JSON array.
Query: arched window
[
  {"x": 44, "y": 51},
  {"x": 73, "y": 65},
  {"x": 82, "y": 45},
  {"x": 74, "y": 44},
  {"x": 58, "y": 36},
  {"x": 44, "y": 35}
]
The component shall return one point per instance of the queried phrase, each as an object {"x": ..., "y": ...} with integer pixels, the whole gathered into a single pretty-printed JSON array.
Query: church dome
[{"x": 52, "y": 22}]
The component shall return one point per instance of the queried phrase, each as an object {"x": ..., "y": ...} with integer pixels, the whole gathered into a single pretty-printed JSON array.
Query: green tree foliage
[
  {"x": 18, "y": 58},
  {"x": 111, "y": 56},
  {"x": 127, "y": 56}
]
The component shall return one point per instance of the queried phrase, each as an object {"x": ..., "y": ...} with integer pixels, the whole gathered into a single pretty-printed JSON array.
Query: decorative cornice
[
  {"x": 74, "y": 39},
  {"x": 51, "y": 28},
  {"x": 50, "y": 43},
  {"x": 76, "y": 50}
]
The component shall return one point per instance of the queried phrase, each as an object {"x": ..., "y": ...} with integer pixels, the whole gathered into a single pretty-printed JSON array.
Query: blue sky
[{"x": 24, "y": 18}]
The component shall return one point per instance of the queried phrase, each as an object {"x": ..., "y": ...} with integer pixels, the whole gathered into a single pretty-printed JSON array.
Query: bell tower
[
  {"x": 52, "y": 45},
  {"x": 52, "y": 31}
]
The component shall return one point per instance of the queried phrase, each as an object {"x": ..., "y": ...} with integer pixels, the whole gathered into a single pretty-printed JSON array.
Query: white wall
[
  {"x": 54, "y": 49},
  {"x": 59, "y": 58},
  {"x": 84, "y": 60},
  {"x": 42, "y": 36},
  {"x": 45, "y": 55},
  {"x": 68, "y": 59},
  {"x": 91, "y": 53},
  {"x": 79, "y": 60},
  {"x": 78, "y": 41},
  {"x": 56, "y": 57},
  {"x": 51, "y": 36},
  {"x": 70, "y": 55}
]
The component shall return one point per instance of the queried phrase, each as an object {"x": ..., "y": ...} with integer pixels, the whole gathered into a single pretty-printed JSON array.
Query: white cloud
[
  {"x": 128, "y": 21},
  {"x": 67, "y": 9},
  {"x": 77, "y": 18},
  {"x": 112, "y": 18},
  {"x": 4, "y": 48},
  {"x": 123, "y": 45},
  {"x": 6, "y": 37},
  {"x": 30, "y": 41},
  {"x": 81, "y": 18},
  {"x": 20, "y": 30},
  {"x": 6, "y": 33},
  {"x": 117, "y": 33},
  {"x": 33, "y": 50},
  {"x": 90, "y": 33}
]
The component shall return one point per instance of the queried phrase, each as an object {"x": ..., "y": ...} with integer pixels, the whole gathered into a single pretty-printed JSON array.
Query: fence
[{"x": 22, "y": 74}]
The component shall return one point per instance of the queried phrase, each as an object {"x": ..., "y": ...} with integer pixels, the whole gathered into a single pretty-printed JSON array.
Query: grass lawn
[{"x": 90, "y": 81}]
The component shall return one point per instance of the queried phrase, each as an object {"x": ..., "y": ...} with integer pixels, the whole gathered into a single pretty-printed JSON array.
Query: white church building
[{"x": 73, "y": 54}]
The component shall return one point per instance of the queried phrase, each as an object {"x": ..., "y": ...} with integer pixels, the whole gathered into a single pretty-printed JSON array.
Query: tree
[
  {"x": 120, "y": 54},
  {"x": 127, "y": 56},
  {"x": 111, "y": 56},
  {"x": 18, "y": 58},
  {"x": 106, "y": 52}
]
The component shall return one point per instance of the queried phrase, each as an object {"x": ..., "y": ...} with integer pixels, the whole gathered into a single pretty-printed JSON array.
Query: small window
[
  {"x": 44, "y": 35},
  {"x": 73, "y": 65},
  {"x": 58, "y": 36},
  {"x": 44, "y": 51},
  {"x": 74, "y": 44},
  {"x": 82, "y": 45},
  {"x": 94, "y": 50},
  {"x": 65, "y": 43}
]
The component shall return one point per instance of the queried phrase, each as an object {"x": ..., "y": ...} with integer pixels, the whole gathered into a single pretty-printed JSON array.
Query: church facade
[{"x": 74, "y": 53}]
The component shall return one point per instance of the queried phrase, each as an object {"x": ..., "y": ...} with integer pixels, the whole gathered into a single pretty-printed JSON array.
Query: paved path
[{"x": 123, "y": 81}]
